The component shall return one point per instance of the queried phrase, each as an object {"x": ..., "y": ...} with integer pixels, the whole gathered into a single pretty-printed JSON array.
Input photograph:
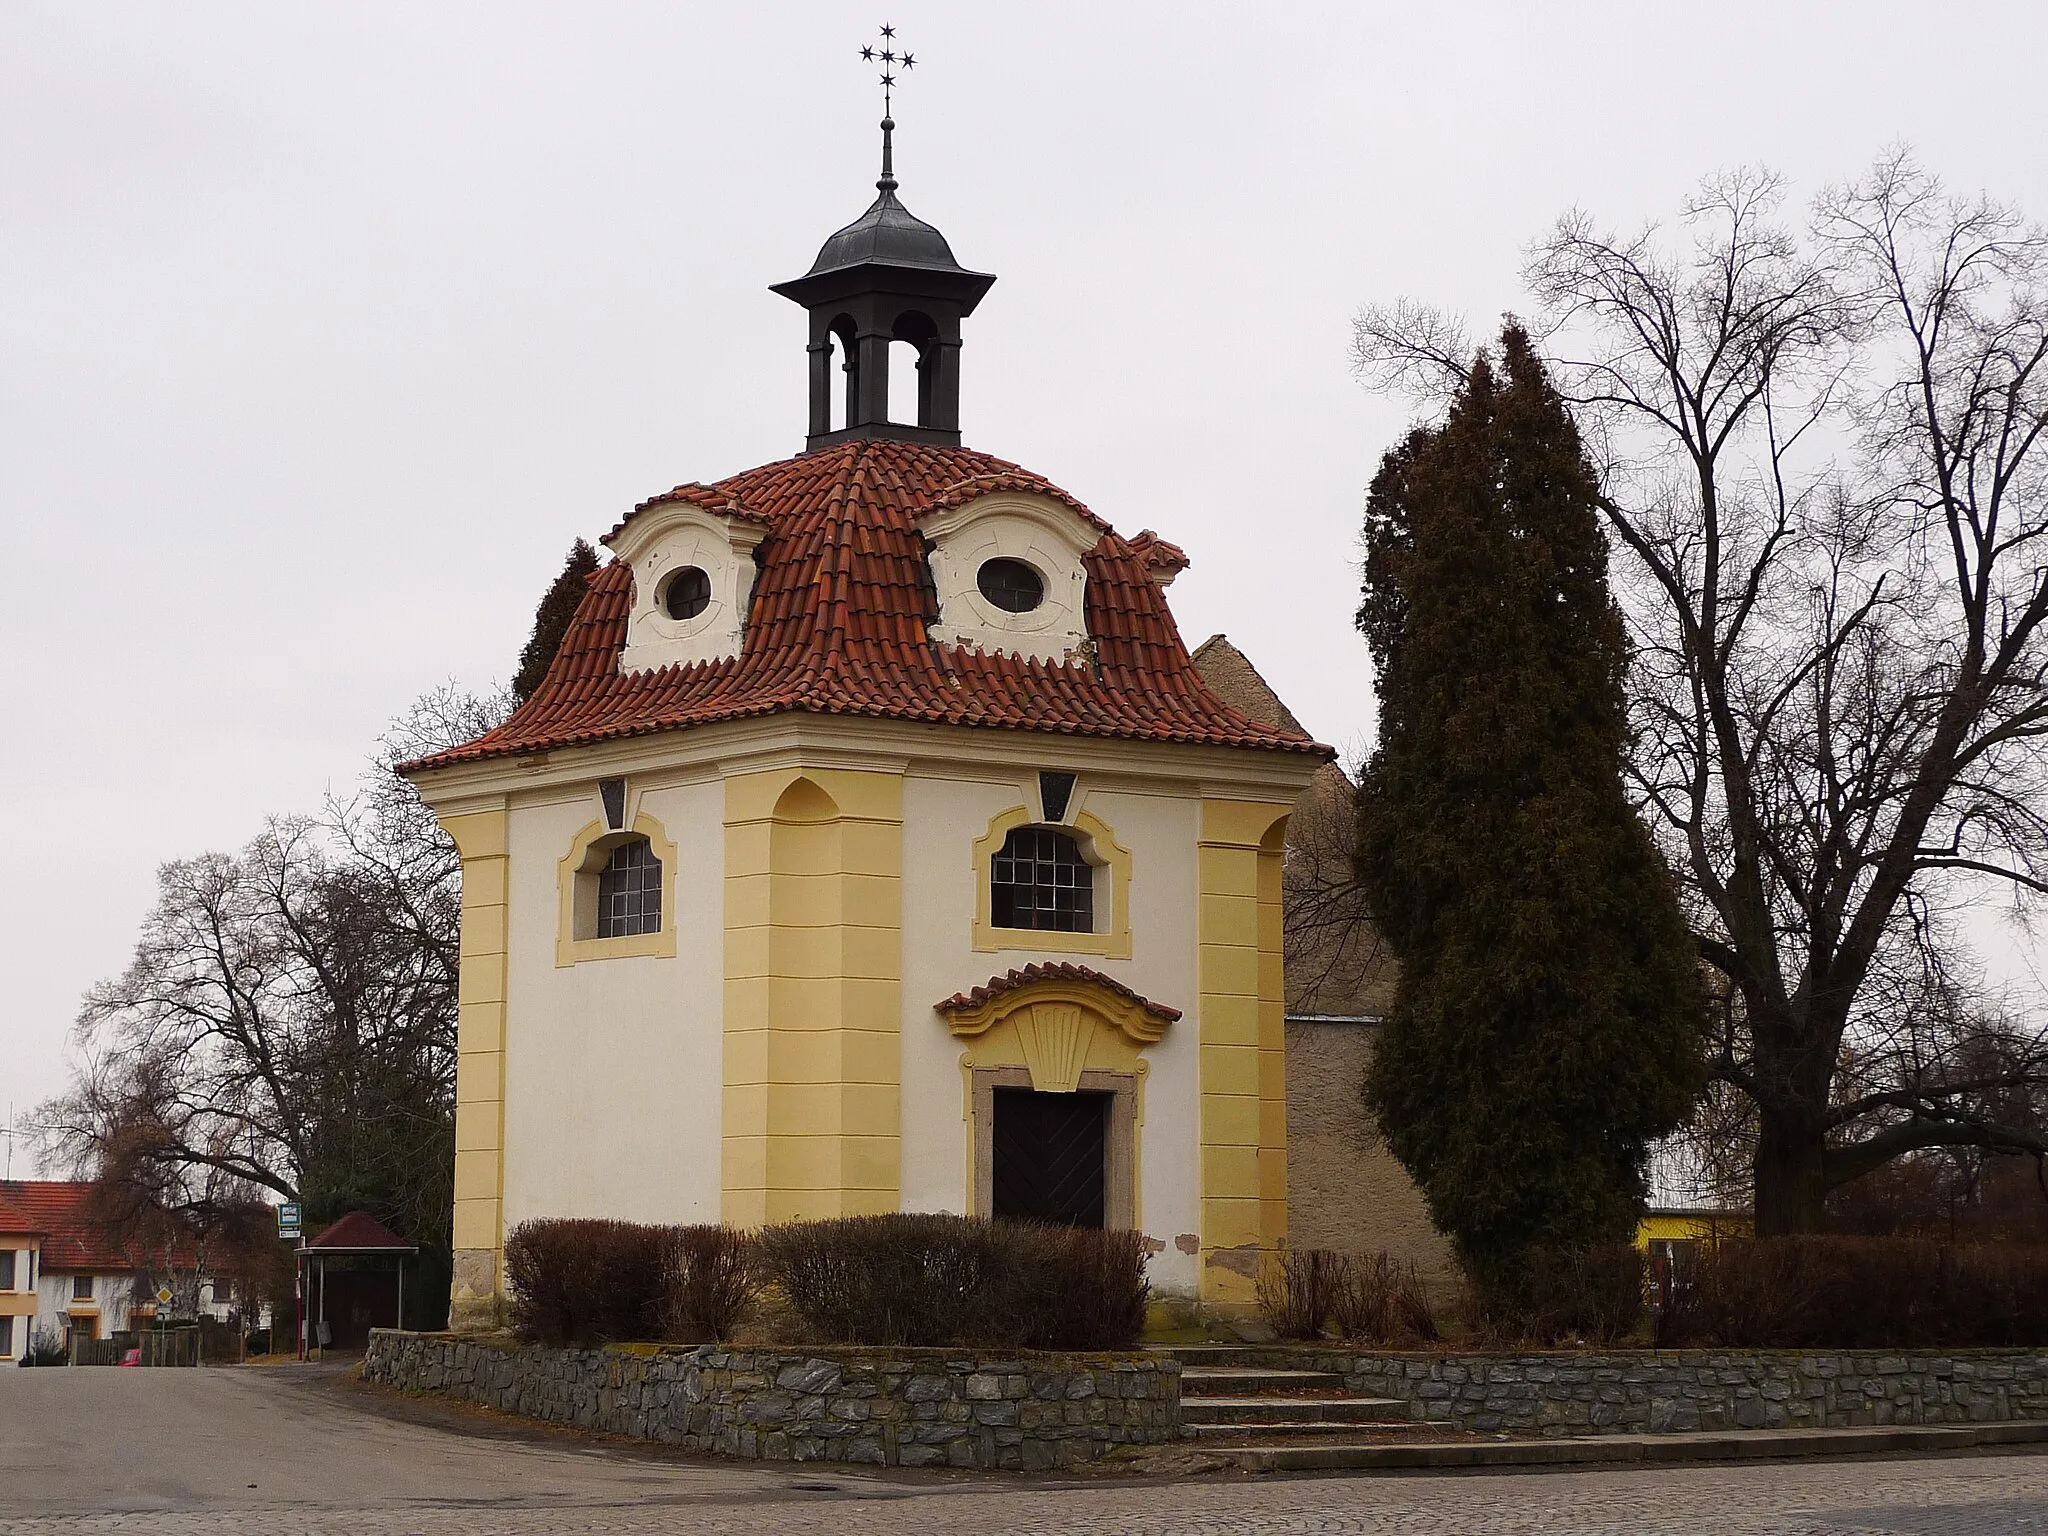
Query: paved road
[{"x": 257, "y": 1451}]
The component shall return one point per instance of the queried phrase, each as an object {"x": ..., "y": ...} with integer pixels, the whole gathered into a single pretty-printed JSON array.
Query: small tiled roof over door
[{"x": 840, "y": 618}]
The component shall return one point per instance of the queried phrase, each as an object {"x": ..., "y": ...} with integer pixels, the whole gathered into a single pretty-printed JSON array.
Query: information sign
[{"x": 288, "y": 1219}]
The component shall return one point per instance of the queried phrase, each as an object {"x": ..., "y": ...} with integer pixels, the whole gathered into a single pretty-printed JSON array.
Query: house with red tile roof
[
  {"x": 874, "y": 844},
  {"x": 65, "y": 1272}
]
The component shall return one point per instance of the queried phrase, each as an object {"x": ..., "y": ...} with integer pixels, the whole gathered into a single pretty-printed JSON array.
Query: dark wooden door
[{"x": 1049, "y": 1155}]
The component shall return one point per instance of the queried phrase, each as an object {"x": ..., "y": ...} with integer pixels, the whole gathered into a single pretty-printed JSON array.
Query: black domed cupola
[{"x": 886, "y": 277}]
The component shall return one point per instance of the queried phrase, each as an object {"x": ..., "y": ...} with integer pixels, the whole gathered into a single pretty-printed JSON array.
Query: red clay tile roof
[
  {"x": 838, "y": 625},
  {"x": 359, "y": 1232},
  {"x": 1055, "y": 970},
  {"x": 15, "y": 1222},
  {"x": 709, "y": 497},
  {"x": 74, "y": 1237},
  {"x": 1164, "y": 560}
]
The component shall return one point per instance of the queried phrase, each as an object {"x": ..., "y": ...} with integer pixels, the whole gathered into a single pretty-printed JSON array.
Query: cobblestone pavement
[{"x": 170, "y": 1453}]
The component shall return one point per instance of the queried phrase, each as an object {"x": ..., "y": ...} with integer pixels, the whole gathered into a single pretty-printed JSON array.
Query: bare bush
[
  {"x": 587, "y": 1282},
  {"x": 1306, "y": 1293},
  {"x": 917, "y": 1279},
  {"x": 708, "y": 1289},
  {"x": 1300, "y": 1290}
]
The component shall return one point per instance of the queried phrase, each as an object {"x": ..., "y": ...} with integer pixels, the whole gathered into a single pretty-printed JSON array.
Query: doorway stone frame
[
  {"x": 1119, "y": 1143},
  {"x": 1057, "y": 1028}
]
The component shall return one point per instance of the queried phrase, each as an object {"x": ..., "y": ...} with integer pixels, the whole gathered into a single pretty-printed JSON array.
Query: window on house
[
  {"x": 1040, "y": 880},
  {"x": 81, "y": 1287},
  {"x": 6, "y": 1334},
  {"x": 1011, "y": 585},
  {"x": 687, "y": 593},
  {"x": 6, "y": 1269},
  {"x": 629, "y": 891}
]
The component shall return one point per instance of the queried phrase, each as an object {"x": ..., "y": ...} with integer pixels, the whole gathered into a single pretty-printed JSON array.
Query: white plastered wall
[
  {"x": 612, "y": 1066},
  {"x": 942, "y": 818}
]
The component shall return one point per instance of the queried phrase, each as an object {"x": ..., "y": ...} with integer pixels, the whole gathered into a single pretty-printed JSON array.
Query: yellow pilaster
[
  {"x": 478, "y": 1283},
  {"x": 813, "y": 994},
  {"x": 1243, "y": 1067}
]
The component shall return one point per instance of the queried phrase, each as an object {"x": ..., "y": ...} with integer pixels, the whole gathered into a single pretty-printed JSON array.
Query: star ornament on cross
[{"x": 892, "y": 61}]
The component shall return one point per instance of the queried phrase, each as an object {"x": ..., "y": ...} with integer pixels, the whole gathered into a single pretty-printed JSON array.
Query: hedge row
[
  {"x": 1859, "y": 1293},
  {"x": 904, "y": 1279},
  {"x": 1737, "y": 1293}
]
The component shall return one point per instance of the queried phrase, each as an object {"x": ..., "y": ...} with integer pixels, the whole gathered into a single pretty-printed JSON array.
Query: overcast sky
[{"x": 324, "y": 329}]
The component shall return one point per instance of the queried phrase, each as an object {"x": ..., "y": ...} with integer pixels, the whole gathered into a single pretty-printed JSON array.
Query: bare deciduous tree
[
  {"x": 287, "y": 1022},
  {"x": 1826, "y": 459}
]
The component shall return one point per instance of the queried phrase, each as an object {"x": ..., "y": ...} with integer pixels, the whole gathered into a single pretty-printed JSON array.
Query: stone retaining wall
[
  {"x": 902, "y": 1407},
  {"x": 1668, "y": 1391}
]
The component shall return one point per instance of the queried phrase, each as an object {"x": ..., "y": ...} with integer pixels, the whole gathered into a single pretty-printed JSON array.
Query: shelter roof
[{"x": 359, "y": 1232}]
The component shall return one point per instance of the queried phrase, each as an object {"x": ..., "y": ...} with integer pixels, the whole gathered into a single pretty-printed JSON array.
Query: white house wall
[{"x": 111, "y": 1295}]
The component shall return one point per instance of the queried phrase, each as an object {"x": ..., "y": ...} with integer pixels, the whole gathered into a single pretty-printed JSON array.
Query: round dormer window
[
  {"x": 1011, "y": 585},
  {"x": 686, "y": 594}
]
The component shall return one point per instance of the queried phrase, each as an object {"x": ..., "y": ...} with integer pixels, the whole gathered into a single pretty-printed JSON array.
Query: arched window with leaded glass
[
  {"x": 629, "y": 891},
  {"x": 1039, "y": 879}
]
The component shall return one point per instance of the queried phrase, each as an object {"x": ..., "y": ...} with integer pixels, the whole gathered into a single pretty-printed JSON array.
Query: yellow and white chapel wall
[
  {"x": 945, "y": 813},
  {"x": 611, "y": 1083},
  {"x": 775, "y": 1052}
]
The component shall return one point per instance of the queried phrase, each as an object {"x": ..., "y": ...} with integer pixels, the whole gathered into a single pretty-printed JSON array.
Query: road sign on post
[{"x": 288, "y": 1219}]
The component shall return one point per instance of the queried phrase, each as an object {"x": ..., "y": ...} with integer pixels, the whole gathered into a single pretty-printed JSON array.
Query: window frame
[
  {"x": 577, "y": 876},
  {"x": 1111, "y": 936},
  {"x": 624, "y": 906},
  {"x": 1036, "y": 848}
]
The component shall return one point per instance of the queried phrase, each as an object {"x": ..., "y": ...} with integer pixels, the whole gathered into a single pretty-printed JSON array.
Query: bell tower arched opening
[{"x": 843, "y": 361}]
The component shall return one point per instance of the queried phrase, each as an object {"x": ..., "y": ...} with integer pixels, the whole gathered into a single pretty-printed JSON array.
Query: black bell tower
[{"x": 886, "y": 277}]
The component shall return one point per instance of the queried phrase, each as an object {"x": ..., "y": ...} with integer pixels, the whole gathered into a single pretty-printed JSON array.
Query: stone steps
[
  {"x": 1231, "y": 1401},
  {"x": 1252, "y": 1381},
  {"x": 1249, "y": 1411},
  {"x": 1240, "y": 1435},
  {"x": 1733, "y": 1445}
]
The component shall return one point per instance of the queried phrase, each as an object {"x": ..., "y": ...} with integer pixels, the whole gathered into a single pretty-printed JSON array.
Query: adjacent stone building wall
[
  {"x": 1345, "y": 1188},
  {"x": 904, "y": 1407},
  {"x": 1671, "y": 1391}
]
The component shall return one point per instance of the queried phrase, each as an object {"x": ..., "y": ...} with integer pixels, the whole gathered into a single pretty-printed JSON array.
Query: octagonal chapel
[{"x": 873, "y": 844}]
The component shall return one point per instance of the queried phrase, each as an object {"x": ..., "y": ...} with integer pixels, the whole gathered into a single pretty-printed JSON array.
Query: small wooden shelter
[{"x": 353, "y": 1275}]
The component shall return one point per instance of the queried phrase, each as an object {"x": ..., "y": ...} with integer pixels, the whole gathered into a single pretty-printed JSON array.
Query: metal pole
[{"x": 401, "y": 1293}]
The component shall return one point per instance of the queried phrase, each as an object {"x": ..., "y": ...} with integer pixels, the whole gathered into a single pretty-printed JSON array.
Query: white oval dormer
[
  {"x": 1007, "y": 566},
  {"x": 693, "y": 573}
]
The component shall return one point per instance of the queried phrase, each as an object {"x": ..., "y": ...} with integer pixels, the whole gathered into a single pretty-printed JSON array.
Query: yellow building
[{"x": 873, "y": 844}]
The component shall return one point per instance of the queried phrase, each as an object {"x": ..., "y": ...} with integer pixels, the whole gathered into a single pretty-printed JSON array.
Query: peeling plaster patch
[
  {"x": 1242, "y": 1260},
  {"x": 1187, "y": 1242}
]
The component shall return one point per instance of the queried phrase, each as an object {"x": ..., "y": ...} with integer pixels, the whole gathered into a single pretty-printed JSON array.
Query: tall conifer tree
[
  {"x": 551, "y": 620},
  {"x": 1547, "y": 1024}
]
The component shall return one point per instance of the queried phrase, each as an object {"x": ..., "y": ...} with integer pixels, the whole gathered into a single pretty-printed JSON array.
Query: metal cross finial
[{"x": 892, "y": 59}]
